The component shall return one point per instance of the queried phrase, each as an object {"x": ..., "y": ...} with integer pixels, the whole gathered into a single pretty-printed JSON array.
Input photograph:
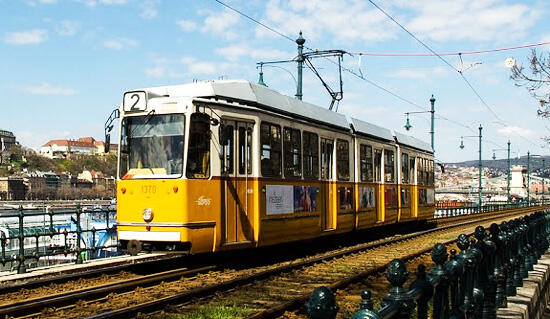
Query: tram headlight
[{"x": 147, "y": 215}]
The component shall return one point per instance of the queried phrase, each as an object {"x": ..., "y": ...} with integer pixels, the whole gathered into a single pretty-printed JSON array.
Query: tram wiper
[
  {"x": 147, "y": 119},
  {"x": 148, "y": 116}
]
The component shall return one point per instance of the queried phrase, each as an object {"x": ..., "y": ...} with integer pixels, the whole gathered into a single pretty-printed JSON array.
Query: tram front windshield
[{"x": 152, "y": 146}]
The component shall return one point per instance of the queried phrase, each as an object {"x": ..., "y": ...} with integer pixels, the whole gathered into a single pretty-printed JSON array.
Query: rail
[
  {"x": 34, "y": 237},
  {"x": 471, "y": 284},
  {"x": 444, "y": 210}
]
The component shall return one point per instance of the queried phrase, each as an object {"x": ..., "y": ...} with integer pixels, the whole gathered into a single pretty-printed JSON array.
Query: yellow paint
[{"x": 179, "y": 201}]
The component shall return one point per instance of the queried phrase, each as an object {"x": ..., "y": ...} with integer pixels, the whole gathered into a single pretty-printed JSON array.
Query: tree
[{"x": 536, "y": 79}]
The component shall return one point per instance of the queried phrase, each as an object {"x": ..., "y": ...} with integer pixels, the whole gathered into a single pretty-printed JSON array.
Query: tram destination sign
[{"x": 135, "y": 101}]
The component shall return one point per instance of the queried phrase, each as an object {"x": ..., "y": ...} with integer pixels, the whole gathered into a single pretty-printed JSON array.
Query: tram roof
[
  {"x": 264, "y": 97},
  {"x": 366, "y": 128},
  {"x": 413, "y": 142}
]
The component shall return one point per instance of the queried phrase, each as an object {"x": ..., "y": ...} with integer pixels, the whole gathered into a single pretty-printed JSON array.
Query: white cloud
[
  {"x": 234, "y": 52},
  {"x": 48, "y": 89},
  {"x": 111, "y": 2},
  {"x": 200, "y": 67},
  {"x": 120, "y": 43},
  {"x": 163, "y": 68},
  {"x": 93, "y": 3},
  {"x": 341, "y": 20},
  {"x": 26, "y": 37},
  {"x": 34, "y": 3},
  {"x": 515, "y": 130},
  {"x": 418, "y": 73},
  {"x": 35, "y": 139},
  {"x": 148, "y": 9},
  {"x": 442, "y": 20},
  {"x": 68, "y": 28},
  {"x": 187, "y": 25},
  {"x": 220, "y": 23}
]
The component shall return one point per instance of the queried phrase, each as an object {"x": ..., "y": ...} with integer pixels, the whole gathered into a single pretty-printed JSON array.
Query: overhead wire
[
  {"x": 360, "y": 76},
  {"x": 451, "y": 53},
  {"x": 446, "y": 62}
]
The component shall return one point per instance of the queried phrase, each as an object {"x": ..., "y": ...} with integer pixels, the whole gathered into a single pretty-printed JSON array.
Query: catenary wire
[
  {"x": 451, "y": 53},
  {"x": 370, "y": 81}
]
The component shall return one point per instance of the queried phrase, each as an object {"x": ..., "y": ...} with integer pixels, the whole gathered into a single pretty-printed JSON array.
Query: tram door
[
  {"x": 237, "y": 184},
  {"x": 327, "y": 148}
]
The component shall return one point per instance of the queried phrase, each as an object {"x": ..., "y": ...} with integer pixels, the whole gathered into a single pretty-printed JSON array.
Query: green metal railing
[
  {"x": 473, "y": 283},
  {"x": 32, "y": 238},
  {"x": 443, "y": 210}
]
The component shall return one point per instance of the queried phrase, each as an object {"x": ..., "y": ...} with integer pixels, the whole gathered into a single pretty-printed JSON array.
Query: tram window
[
  {"x": 311, "y": 155},
  {"x": 292, "y": 148},
  {"x": 378, "y": 166},
  {"x": 342, "y": 160},
  {"x": 365, "y": 155},
  {"x": 249, "y": 151},
  {"x": 431, "y": 173},
  {"x": 426, "y": 172},
  {"x": 405, "y": 168},
  {"x": 270, "y": 157},
  {"x": 326, "y": 159},
  {"x": 411, "y": 169},
  {"x": 242, "y": 150},
  {"x": 389, "y": 166},
  {"x": 419, "y": 174},
  {"x": 227, "y": 151},
  {"x": 245, "y": 150},
  {"x": 198, "y": 153}
]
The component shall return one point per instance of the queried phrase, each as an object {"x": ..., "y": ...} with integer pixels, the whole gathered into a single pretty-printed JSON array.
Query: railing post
[
  {"x": 78, "y": 235},
  {"x": 466, "y": 280},
  {"x": 517, "y": 251},
  {"x": 322, "y": 304},
  {"x": 366, "y": 301},
  {"x": 455, "y": 268},
  {"x": 530, "y": 233},
  {"x": 3, "y": 241},
  {"x": 487, "y": 269},
  {"x": 397, "y": 275},
  {"x": 421, "y": 282},
  {"x": 21, "y": 269},
  {"x": 499, "y": 272},
  {"x": 476, "y": 255},
  {"x": 441, "y": 296}
]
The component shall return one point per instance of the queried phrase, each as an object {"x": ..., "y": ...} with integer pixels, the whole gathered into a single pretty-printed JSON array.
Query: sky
[{"x": 65, "y": 64}]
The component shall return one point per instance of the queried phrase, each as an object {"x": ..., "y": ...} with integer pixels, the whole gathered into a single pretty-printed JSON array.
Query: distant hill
[{"x": 535, "y": 164}]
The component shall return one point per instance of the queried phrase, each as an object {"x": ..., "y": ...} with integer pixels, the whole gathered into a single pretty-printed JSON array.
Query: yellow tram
[{"x": 229, "y": 164}]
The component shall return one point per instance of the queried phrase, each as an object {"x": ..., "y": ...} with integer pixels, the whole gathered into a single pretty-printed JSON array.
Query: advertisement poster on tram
[
  {"x": 366, "y": 197},
  {"x": 305, "y": 199},
  {"x": 430, "y": 196},
  {"x": 279, "y": 199}
]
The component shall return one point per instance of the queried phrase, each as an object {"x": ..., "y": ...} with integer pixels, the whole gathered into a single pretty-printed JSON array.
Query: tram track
[{"x": 196, "y": 283}]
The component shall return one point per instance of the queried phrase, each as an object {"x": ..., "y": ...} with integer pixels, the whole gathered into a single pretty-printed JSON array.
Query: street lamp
[
  {"x": 408, "y": 125},
  {"x": 480, "y": 165},
  {"x": 529, "y": 155},
  {"x": 508, "y": 177}
]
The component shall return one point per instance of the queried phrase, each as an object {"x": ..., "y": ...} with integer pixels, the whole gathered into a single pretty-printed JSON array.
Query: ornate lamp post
[
  {"x": 480, "y": 165},
  {"x": 508, "y": 162},
  {"x": 408, "y": 125}
]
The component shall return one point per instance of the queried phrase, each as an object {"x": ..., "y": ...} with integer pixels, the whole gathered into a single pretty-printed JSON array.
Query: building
[
  {"x": 12, "y": 188},
  {"x": 7, "y": 140},
  {"x": 66, "y": 148},
  {"x": 518, "y": 181}
]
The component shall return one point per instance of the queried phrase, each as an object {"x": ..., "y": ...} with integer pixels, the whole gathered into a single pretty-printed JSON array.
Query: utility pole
[
  {"x": 528, "y": 180},
  {"x": 432, "y": 101},
  {"x": 508, "y": 178},
  {"x": 543, "y": 179},
  {"x": 480, "y": 169},
  {"x": 300, "y": 59}
]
